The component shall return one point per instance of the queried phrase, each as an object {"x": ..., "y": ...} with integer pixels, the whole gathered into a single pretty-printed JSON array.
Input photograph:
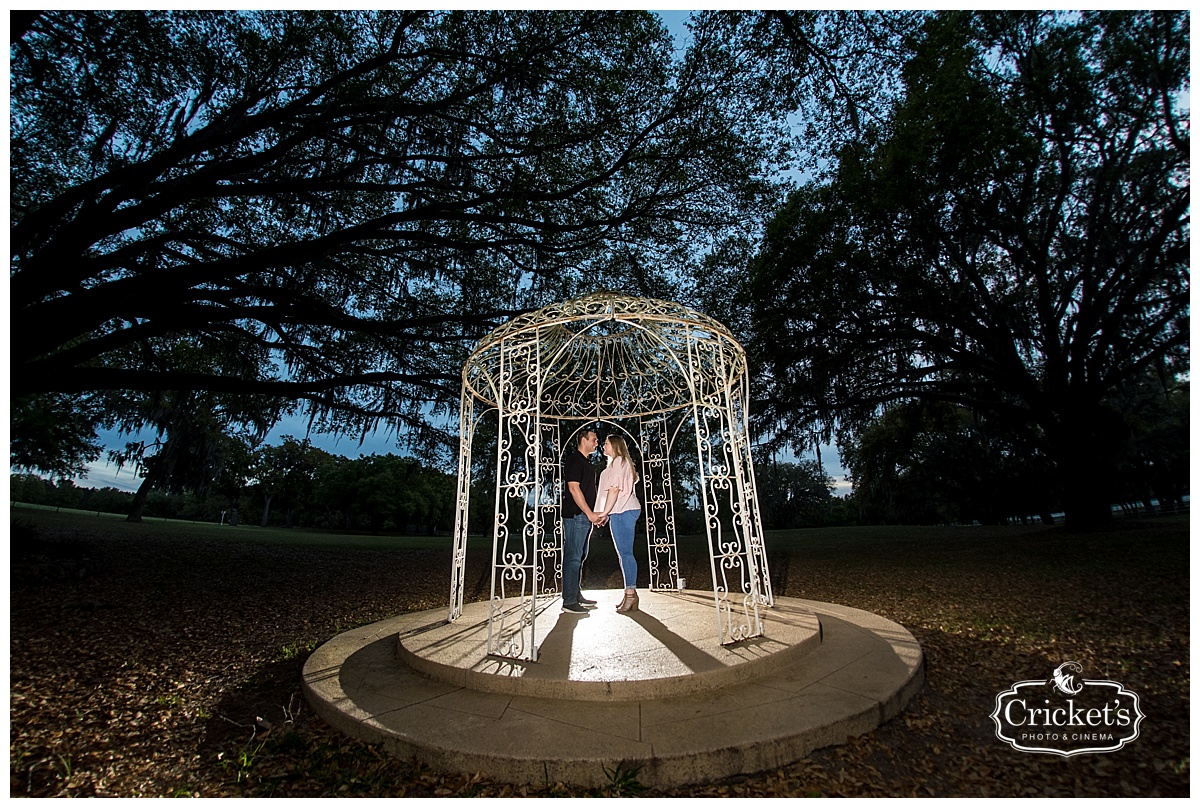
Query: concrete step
[{"x": 650, "y": 691}]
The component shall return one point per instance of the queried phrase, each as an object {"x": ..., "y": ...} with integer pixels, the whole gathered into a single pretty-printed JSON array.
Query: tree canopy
[
  {"x": 1014, "y": 238},
  {"x": 341, "y": 203},
  {"x": 331, "y": 208}
]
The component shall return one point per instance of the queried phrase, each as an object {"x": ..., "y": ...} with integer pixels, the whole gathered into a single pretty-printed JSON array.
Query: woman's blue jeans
[{"x": 621, "y": 525}]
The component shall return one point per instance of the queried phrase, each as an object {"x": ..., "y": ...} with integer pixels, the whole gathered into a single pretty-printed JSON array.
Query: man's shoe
[
  {"x": 586, "y": 601},
  {"x": 574, "y": 608}
]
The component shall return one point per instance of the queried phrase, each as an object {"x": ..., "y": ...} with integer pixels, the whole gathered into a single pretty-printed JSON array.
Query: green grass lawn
[{"x": 115, "y": 525}]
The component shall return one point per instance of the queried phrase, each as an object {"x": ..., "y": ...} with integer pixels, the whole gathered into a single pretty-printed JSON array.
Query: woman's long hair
[{"x": 621, "y": 450}]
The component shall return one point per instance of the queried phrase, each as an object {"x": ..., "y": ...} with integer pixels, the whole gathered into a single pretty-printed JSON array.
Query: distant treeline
[
  {"x": 376, "y": 494},
  {"x": 393, "y": 494},
  {"x": 916, "y": 464}
]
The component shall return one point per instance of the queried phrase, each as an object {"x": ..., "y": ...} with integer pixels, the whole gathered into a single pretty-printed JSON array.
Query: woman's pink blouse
[{"x": 619, "y": 474}]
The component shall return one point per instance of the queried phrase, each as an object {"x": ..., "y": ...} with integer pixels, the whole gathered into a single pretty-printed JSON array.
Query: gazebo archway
[{"x": 652, "y": 368}]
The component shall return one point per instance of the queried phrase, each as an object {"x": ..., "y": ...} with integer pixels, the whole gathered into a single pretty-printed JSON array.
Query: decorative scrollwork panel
[
  {"x": 735, "y": 577},
  {"x": 739, "y": 428},
  {"x": 658, "y": 504},
  {"x": 549, "y": 512},
  {"x": 515, "y": 550}
]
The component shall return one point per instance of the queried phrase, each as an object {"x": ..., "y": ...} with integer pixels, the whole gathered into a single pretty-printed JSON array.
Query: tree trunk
[
  {"x": 158, "y": 472},
  {"x": 266, "y": 510},
  {"x": 139, "y": 499},
  {"x": 1088, "y": 445},
  {"x": 1084, "y": 511}
]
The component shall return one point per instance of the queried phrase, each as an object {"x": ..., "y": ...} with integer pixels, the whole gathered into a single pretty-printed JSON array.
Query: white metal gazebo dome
[{"x": 646, "y": 367}]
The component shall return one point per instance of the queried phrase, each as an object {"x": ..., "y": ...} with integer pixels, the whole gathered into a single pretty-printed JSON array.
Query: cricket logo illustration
[{"x": 1065, "y": 682}]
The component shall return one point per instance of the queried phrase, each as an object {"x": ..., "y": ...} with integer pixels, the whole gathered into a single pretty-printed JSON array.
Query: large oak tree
[
  {"x": 1014, "y": 238},
  {"x": 346, "y": 201}
]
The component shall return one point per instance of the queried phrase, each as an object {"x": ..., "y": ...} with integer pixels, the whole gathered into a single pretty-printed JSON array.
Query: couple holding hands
[{"x": 615, "y": 504}]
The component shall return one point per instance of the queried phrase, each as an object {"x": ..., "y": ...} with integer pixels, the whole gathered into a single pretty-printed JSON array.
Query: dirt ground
[{"x": 146, "y": 661}]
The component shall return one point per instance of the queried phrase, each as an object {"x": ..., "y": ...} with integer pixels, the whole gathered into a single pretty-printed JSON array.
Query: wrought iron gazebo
[{"x": 650, "y": 368}]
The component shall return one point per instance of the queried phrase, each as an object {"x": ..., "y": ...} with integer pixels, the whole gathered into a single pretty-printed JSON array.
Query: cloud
[{"x": 102, "y": 474}]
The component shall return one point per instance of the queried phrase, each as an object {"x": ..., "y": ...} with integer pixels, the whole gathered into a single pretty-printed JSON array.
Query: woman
[{"x": 619, "y": 505}]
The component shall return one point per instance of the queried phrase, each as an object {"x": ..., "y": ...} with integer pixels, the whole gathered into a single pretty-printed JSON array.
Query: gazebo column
[
  {"x": 734, "y": 574},
  {"x": 466, "y": 432},
  {"x": 518, "y": 531},
  {"x": 748, "y": 511},
  {"x": 658, "y": 503}
]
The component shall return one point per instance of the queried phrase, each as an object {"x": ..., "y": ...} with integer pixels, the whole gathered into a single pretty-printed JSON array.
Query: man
[{"x": 579, "y": 497}]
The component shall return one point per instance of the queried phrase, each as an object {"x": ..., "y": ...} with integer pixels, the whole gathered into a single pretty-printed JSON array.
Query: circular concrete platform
[
  {"x": 650, "y": 691},
  {"x": 666, "y": 648}
]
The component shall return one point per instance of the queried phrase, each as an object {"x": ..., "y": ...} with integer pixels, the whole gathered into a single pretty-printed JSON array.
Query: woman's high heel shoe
[{"x": 629, "y": 603}]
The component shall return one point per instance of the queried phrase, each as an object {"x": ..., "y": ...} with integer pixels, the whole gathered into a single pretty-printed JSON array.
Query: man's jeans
[{"x": 575, "y": 549}]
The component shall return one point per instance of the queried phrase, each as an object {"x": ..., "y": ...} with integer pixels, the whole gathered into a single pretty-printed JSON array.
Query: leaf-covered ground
[{"x": 161, "y": 660}]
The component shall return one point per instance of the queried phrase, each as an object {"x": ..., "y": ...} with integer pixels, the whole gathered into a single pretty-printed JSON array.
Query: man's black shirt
[{"x": 577, "y": 468}]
